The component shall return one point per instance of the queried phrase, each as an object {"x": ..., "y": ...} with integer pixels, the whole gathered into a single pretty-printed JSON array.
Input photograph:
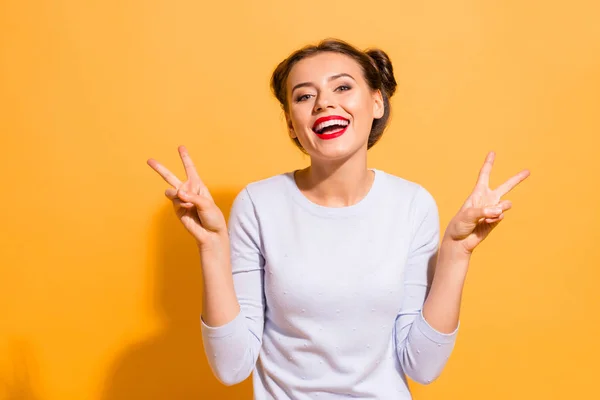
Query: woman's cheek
[
  {"x": 358, "y": 108},
  {"x": 353, "y": 102},
  {"x": 298, "y": 120}
]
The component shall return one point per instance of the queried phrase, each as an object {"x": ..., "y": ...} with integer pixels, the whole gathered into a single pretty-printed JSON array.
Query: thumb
[{"x": 199, "y": 201}]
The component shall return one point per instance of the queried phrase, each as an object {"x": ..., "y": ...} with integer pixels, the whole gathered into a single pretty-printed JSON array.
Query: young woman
[{"x": 331, "y": 281}]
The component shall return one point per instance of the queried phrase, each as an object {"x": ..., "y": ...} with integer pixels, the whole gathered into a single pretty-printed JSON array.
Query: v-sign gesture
[
  {"x": 193, "y": 203},
  {"x": 483, "y": 210}
]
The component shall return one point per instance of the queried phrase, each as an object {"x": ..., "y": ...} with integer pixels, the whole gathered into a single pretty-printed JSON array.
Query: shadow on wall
[
  {"x": 172, "y": 363},
  {"x": 21, "y": 382}
]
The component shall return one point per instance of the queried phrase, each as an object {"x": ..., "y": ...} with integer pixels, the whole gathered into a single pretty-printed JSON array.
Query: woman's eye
[
  {"x": 303, "y": 97},
  {"x": 343, "y": 88}
]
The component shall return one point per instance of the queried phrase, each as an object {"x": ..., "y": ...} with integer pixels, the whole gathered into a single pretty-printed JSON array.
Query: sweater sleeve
[
  {"x": 232, "y": 349},
  {"x": 422, "y": 350}
]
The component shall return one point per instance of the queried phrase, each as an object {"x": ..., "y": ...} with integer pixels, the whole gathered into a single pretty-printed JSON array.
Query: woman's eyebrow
[
  {"x": 331, "y": 78},
  {"x": 343, "y": 74}
]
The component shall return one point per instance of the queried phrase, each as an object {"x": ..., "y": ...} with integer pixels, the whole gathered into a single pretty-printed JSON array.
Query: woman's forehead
[{"x": 320, "y": 67}]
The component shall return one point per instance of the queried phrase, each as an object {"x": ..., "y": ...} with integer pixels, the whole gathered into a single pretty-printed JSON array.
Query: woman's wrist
[{"x": 452, "y": 263}]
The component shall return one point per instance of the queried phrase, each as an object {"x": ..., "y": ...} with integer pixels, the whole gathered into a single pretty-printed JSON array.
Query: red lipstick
[{"x": 328, "y": 131}]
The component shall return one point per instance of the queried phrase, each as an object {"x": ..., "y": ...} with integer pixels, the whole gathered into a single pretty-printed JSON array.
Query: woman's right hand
[{"x": 193, "y": 203}]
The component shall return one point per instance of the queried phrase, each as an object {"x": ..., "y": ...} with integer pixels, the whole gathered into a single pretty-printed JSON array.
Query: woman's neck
[{"x": 335, "y": 184}]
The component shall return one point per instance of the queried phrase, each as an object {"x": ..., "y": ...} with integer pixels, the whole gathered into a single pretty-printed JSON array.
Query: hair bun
[{"x": 384, "y": 65}]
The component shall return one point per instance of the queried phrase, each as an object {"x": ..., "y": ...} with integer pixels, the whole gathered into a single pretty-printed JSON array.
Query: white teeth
[{"x": 331, "y": 122}]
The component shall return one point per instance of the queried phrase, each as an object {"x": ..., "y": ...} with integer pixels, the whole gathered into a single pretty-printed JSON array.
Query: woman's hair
[{"x": 376, "y": 67}]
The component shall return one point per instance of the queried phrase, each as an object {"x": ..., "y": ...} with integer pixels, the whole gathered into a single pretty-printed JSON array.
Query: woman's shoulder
[
  {"x": 270, "y": 184},
  {"x": 402, "y": 185},
  {"x": 266, "y": 189},
  {"x": 404, "y": 190}
]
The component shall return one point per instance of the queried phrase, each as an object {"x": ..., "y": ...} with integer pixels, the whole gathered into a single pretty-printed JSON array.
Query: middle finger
[{"x": 188, "y": 164}]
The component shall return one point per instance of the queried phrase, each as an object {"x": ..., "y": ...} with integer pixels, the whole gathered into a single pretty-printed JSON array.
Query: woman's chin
[{"x": 335, "y": 152}]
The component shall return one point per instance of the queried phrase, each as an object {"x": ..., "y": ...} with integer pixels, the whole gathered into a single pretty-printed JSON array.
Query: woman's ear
[
  {"x": 290, "y": 127},
  {"x": 378, "y": 105}
]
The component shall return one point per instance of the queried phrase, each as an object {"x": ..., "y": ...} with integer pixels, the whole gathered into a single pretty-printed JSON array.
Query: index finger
[
  {"x": 167, "y": 175},
  {"x": 512, "y": 182}
]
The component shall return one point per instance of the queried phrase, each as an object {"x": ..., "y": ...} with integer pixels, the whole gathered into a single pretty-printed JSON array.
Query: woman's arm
[
  {"x": 421, "y": 349},
  {"x": 442, "y": 306},
  {"x": 480, "y": 214},
  {"x": 232, "y": 268},
  {"x": 219, "y": 301},
  {"x": 232, "y": 343}
]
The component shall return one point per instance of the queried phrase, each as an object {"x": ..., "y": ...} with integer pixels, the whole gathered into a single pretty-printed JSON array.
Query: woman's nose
[{"x": 322, "y": 102}]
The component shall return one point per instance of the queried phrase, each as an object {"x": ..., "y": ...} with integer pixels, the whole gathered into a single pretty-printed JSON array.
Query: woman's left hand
[{"x": 483, "y": 210}]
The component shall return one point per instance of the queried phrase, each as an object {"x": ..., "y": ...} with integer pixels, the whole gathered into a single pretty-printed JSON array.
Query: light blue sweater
[{"x": 330, "y": 298}]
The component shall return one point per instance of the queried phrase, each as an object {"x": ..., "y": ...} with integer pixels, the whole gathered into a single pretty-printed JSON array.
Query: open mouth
[{"x": 330, "y": 127}]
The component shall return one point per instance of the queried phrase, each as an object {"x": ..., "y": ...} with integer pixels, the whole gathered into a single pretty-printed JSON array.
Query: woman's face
[{"x": 330, "y": 106}]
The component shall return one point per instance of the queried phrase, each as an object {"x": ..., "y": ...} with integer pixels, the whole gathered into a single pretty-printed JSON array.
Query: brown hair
[{"x": 376, "y": 66}]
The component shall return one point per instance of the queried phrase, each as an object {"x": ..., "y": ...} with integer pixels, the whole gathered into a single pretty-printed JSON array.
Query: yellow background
[{"x": 100, "y": 285}]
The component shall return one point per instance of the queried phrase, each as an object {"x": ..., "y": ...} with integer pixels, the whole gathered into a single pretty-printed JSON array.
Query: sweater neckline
[{"x": 334, "y": 212}]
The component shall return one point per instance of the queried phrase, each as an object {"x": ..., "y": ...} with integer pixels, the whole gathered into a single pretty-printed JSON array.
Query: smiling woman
[
  {"x": 373, "y": 69},
  {"x": 332, "y": 281}
]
